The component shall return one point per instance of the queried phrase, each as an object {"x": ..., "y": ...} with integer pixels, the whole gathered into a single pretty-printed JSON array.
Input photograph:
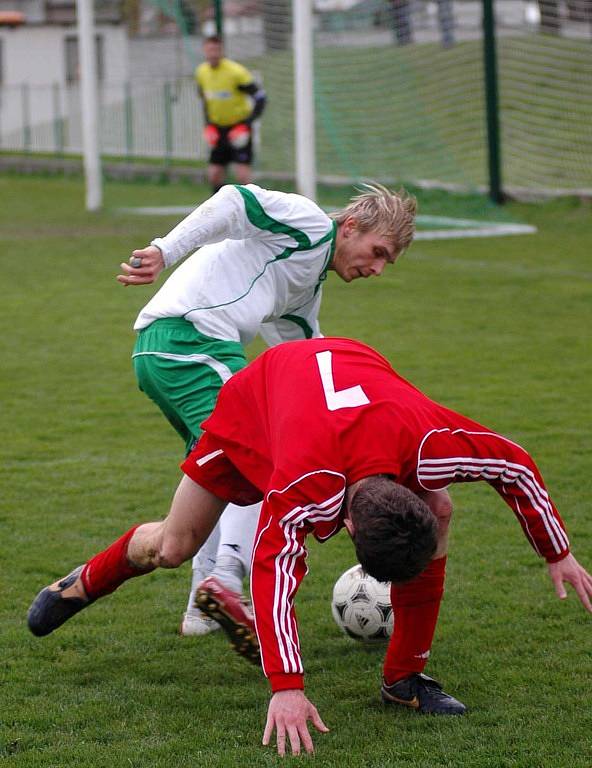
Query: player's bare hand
[
  {"x": 570, "y": 571},
  {"x": 288, "y": 714},
  {"x": 144, "y": 266}
]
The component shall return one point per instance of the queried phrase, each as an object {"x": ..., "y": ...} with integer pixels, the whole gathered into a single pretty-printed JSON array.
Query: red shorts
[{"x": 208, "y": 466}]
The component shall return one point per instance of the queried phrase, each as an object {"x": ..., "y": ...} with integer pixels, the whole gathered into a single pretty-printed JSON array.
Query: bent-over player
[{"x": 330, "y": 436}]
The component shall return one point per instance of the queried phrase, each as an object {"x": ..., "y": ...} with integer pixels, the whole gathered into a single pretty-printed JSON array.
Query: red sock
[
  {"x": 106, "y": 571},
  {"x": 415, "y": 606}
]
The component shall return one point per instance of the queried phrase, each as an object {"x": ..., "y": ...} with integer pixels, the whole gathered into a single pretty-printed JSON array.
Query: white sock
[
  {"x": 237, "y": 532},
  {"x": 203, "y": 564}
]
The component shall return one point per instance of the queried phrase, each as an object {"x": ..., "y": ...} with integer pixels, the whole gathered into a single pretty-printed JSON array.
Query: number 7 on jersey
[{"x": 352, "y": 397}]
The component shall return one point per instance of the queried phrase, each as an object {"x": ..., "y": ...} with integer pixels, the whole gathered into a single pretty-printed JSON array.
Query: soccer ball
[{"x": 361, "y": 606}]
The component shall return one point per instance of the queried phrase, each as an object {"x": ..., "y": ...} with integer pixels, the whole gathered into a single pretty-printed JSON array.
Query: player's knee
[
  {"x": 216, "y": 175},
  {"x": 144, "y": 546},
  {"x": 243, "y": 173},
  {"x": 441, "y": 505}
]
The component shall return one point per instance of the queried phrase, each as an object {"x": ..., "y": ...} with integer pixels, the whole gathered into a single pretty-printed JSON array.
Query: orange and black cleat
[{"x": 230, "y": 610}]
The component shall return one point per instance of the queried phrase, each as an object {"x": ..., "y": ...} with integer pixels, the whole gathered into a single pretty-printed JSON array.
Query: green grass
[{"x": 499, "y": 329}]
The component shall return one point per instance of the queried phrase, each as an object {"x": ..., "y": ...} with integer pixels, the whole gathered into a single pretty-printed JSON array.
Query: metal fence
[
  {"x": 154, "y": 119},
  {"x": 399, "y": 95}
]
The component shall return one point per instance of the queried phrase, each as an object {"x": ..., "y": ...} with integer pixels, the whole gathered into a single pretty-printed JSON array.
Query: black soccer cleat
[
  {"x": 423, "y": 694},
  {"x": 49, "y": 610}
]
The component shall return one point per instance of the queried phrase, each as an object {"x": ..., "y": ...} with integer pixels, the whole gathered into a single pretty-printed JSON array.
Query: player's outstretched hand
[
  {"x": 289, "y": 713},
  {"x": 570, "y": 571},
  {"x": 144, "y": 266}
]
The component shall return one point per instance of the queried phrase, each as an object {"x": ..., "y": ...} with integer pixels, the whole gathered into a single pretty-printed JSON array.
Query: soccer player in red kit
[{"x": 330, "y": 436}]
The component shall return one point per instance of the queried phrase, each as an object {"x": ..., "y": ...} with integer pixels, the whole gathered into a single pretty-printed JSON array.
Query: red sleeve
[
  {"x": 448, "y": 456},
  {"x": 279, "y": 565}
]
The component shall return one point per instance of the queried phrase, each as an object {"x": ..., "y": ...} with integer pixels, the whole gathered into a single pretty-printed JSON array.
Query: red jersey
[{"x": 309, "y": 418}]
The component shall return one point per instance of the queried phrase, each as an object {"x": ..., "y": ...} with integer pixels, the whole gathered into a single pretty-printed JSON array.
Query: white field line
[
  {"x": 424, "y": 218},
  {"x": 159, "y": 210},
  {"x": 492, "y": 230},
  {"x": 463, "y": 227}
]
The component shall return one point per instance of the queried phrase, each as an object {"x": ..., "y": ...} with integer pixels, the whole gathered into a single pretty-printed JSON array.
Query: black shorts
[{"x": 224, "y": 153}]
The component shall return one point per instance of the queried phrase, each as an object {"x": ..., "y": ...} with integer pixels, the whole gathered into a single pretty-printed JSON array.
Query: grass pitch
[{"x": 499, "y": 329}]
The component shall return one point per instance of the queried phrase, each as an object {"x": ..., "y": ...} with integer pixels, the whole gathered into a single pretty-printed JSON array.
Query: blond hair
[{"x": 389, "y": 214}]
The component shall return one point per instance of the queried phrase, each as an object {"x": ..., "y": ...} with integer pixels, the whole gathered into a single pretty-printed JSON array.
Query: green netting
[
  {"x": 399, "y": 94},
  {"x": 401, "y": 113},
  {"x": 546, "y": 110}
]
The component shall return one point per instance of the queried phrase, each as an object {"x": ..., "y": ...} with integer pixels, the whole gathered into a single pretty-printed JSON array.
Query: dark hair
[
  {"x": 212, "y": 39},
  {"x": 395, "y": 532}
]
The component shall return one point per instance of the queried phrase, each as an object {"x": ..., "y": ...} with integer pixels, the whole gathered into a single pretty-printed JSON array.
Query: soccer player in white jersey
[{"x": 263, "y": 256}]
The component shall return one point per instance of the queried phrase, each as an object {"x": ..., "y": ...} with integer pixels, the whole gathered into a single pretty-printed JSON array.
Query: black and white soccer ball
[{"x": 361, "y": 606}]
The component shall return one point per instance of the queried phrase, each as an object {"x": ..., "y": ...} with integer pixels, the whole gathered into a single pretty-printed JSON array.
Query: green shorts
[{"x": 183, "y": 371}]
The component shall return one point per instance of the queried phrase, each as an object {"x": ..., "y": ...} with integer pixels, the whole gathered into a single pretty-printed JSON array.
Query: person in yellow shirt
[{"x": 231, "y": 100}]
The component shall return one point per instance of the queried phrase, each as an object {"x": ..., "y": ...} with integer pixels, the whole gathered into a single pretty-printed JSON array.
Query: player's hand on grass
[
  {"x": 570, "y": 571},
  {"x": 144, "y": 266},
  {"x": 289, "y": 713}
]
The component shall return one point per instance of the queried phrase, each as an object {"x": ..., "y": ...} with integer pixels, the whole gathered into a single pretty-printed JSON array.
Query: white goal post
[
  {"x": 89, "y": 100},
  {"x": 304, "y": 114}
]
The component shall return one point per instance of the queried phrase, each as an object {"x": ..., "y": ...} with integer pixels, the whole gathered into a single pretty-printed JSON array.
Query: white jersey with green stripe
[{"x": 262, "y": 258}]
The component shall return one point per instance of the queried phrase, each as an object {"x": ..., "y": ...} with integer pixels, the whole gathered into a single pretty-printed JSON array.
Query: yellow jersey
[{"x": 225, "y": 103}]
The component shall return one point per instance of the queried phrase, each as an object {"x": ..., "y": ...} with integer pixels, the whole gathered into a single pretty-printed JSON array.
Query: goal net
[{"x": 400, "y": 95}]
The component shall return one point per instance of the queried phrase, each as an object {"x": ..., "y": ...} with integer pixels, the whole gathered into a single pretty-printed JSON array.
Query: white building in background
[
  {"x": 43, "y": 54},
  {"x": 44, "y": 49},
  {"x": 39, "y": 69}
]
